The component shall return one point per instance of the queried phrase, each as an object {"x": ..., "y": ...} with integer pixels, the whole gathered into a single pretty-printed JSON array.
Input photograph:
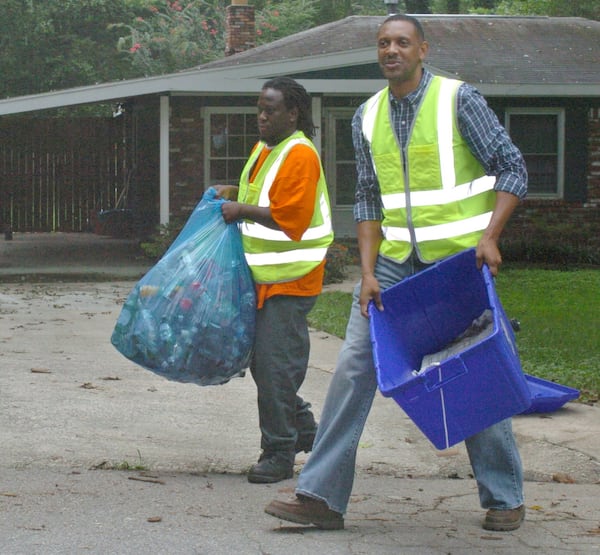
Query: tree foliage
[
  {"x": 556, "y": 8},
  {"x": 276, "y": 20},
  {"x": 179, "y": 34},
  {"x": 172, "y": 35},
  {"x": 55, "y": 44}
]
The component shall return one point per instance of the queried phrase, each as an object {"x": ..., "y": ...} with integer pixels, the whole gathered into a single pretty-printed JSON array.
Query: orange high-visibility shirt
[{"x": 292, "y": 198}]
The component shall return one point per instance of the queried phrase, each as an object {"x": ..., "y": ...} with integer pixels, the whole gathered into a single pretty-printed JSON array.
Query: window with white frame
[
  {"x": 229, "y": 135},
  {"x": 539, "y": 133},
  {"x": 340, "y": 165}
]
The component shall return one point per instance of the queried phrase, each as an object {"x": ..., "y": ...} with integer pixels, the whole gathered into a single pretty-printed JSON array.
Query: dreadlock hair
[
  {"x": 295, "y": 96},
  {"x": 410, "y": 19}
]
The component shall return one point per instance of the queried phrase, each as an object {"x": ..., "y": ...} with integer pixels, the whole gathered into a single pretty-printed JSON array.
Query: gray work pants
[{"x": 279, "y": 364}]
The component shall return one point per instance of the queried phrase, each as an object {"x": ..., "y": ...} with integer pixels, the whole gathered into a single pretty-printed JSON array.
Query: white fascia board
[
  {"x": 248, "y": 79},
  {"x": 83, "y": 95},
  {"x": 553, "y": 90},
  {"x": 317, "y": 62},
  {"x": 337, "y": 87},
  {"x": 234, "y": 79},
  {"x": 354, "y": 87},
  {"x": 120, "y": 90},
  {"x": 343, "y": 87}
]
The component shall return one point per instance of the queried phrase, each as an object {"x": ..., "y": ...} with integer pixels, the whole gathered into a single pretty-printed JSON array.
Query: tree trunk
[
  {"x": 453, "y": 6},
  {"x": 487, "y": 4},
  {"x": 417, "y": 6}
]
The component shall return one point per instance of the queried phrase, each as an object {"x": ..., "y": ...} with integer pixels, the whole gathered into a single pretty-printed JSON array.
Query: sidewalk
[
  {"x": 80, "y": 256},
  {"x": 100, "y": 456}
]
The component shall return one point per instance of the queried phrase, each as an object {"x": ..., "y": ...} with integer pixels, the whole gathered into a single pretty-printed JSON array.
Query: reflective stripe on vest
[
  {"x": 272, "y": 256},
  {"x": 450, "y": 200}
]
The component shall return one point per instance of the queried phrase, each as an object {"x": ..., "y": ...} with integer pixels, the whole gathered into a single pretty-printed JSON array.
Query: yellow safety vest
[
  {"x": 272, "y": 256},
  {"x": 436, "y": 196}
]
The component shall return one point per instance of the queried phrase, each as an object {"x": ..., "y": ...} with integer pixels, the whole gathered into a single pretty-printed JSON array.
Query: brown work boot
[
  {"x": 306, "y": 510},
  {"x": 504, "y": 520}
]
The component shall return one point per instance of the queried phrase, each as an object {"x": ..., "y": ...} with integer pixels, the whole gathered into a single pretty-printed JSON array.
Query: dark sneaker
[
  {"x": 305, "y": 441},
  {"x": 305, "y": 510},
  {"x": 270, "y": 469},
  {"x": 504, "y": 520}
]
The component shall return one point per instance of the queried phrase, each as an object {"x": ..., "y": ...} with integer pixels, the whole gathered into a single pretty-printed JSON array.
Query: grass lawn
[{"x": 559, "y": 313}]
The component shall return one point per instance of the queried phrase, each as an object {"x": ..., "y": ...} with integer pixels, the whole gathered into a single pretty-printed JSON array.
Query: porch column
[
  {"x": 317, "y": 114},
  {"x": 164, "y": 160}
]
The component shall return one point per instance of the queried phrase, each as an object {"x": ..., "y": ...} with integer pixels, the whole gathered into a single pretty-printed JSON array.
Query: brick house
[{"x": 191, "y": 129}]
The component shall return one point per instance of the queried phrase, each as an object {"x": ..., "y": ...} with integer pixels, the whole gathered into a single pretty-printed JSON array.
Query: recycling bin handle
[{"x": 437, "y": 376}]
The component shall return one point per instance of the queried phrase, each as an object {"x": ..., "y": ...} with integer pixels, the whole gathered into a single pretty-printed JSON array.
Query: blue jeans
[{"x": 329, "y": 472}]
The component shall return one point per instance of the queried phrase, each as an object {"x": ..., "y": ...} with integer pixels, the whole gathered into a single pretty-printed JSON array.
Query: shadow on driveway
[{"x": 71, "y": 257}]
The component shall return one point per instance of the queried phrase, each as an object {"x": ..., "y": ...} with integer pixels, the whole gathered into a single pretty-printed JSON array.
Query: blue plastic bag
[{"x": 191, "y": 317}]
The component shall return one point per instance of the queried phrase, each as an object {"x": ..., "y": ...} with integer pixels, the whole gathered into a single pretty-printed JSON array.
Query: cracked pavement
[{"x": 101, "y": 456}]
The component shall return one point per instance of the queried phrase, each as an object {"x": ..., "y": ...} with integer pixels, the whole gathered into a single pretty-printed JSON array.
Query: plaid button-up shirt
[{"x": 486, "y": 137}]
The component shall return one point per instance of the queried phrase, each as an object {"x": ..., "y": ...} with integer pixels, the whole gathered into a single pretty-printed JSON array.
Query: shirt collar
[{"x": 415, "y": 96}]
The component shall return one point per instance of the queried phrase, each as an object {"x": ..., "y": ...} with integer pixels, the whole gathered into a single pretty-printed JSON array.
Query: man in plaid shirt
[{"x": 437, "y": 174}]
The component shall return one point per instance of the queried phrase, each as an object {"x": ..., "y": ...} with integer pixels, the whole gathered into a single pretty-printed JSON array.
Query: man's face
[
  {"x": 275, "y": 121},
  {"x": 400, "y": 52}
]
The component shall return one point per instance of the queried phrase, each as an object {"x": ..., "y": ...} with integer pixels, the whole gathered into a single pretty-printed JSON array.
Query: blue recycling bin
[{"x": 470, "y": 390}]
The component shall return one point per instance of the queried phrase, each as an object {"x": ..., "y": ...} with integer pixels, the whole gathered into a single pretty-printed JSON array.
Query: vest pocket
[
  {"x": 387, "y": 166},
  {"x": 424, "y": 164}
]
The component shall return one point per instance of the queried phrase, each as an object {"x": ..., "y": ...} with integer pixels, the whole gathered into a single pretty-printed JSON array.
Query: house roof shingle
[{"x": 478, "y": 49}]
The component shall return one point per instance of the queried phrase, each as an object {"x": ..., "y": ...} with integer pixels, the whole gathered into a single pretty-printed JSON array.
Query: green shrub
[
  {"x": 159, "y": 242},
  {"x": 336, "y": 263}
]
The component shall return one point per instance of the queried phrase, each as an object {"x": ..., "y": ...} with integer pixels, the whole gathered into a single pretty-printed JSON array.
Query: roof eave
[
  {"x": 548, "y": 90},
  {"x": 248, "y": 79}
]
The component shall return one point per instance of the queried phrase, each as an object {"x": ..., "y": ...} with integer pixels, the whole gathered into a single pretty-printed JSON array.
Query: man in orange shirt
[{"x": 283, "y": 206}]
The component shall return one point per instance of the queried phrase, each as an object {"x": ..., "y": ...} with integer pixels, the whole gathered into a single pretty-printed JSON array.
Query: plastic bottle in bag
[
  {"x": 166, "y": 336},
  {"x": 146, "y": 334},
  {"x": 181, "y": 351},
  {"x": 187, "y": 269}
]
